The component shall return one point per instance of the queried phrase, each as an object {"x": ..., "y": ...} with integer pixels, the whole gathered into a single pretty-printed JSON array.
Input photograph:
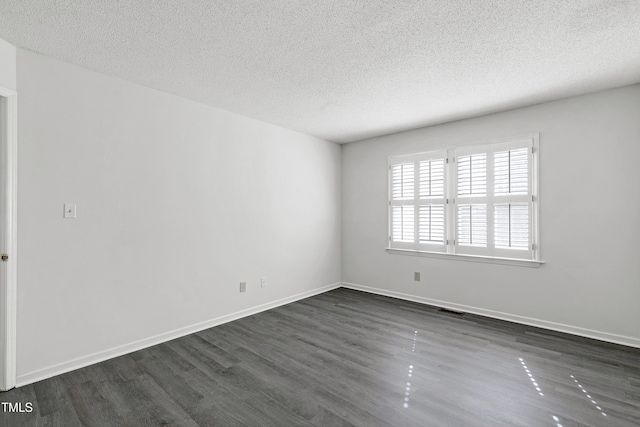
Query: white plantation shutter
[
  {"x": 403, "y": 181},
  {"x": 472, "y": 175},
  {"x": 417, "y": 202},
  {"x": 431, "y": 211},
  {"x": 511, "y": 226},
  {"x": 403, "y": 223},
  {"x": 431, "y": 224},
  {"x": 511, "y": 171},
  {"x": 493, "y": 203},
  {"x": 472, "y": 225},
  {"x": 402, "y": 207},
  {"x": 471, "y": 201},
  {"x": 431, "y": 178},
  {"x": 513, "y": 199},
  {"x": 476, "y": 200}
]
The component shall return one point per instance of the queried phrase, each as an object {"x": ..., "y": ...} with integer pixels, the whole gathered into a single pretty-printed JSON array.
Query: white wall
[
  {"x": 177, "y": 203},
  {"x": 7, "y": 65},
  {"x": 590, "y": 220}
]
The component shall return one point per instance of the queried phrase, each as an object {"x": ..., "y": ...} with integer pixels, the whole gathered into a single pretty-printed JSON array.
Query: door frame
[{"x": 8, "y": 236}]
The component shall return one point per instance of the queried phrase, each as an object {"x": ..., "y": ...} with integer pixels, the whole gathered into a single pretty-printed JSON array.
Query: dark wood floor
[{"x": 349, "y": 358}]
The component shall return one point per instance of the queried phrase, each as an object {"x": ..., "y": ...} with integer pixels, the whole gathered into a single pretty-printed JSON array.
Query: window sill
[{"x": 472, "y": 258}]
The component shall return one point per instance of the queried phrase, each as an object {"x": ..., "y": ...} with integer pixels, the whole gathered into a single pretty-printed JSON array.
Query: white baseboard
[
  {"x": 81, "y": 362},
  {"x": 574, "y": 330}
]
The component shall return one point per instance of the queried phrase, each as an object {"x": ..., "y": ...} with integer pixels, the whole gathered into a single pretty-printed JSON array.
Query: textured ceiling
[{"x": 343, "y": 70}]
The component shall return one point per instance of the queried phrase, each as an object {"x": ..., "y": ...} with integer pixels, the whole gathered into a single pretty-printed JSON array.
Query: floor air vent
[{"x": 447, "y": 311}]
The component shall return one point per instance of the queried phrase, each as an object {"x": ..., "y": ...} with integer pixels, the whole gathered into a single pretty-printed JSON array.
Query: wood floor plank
[
  {"x": 224, "y": 358},
  {"x": 91, "y": 407},
  {"x": 161, "y": 407},
  {"x": 51, "y": 396},
  {"x": 172, "y": 384}
]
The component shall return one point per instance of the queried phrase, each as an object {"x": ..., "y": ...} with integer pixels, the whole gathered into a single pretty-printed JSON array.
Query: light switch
[{"x": 69, "y": 210}]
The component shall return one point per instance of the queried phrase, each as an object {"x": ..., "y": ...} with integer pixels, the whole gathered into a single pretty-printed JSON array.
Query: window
[{"x": 479, "y": 200}]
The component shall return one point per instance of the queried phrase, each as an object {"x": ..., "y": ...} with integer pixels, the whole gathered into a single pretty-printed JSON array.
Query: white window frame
[{"x": 450, "y": 249}]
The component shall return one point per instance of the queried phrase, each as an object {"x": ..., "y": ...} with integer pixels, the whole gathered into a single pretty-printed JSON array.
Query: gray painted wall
[
  {"x": 589, "y": 226},
  {"x": 177, "y": 202}
]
